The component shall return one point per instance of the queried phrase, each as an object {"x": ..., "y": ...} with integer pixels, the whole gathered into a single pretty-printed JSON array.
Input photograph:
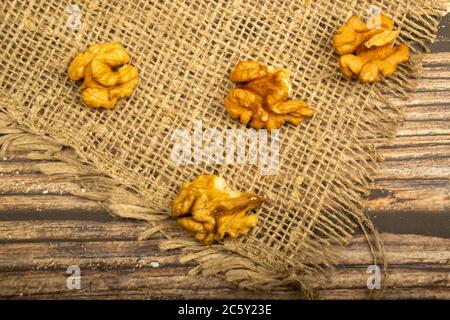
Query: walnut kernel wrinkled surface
[
  {"x": 106, "y": 72},
  {"x": 367, "y": 50},
  {"x": 262, "y": 98},
  {"x": 210, "y": 209}
]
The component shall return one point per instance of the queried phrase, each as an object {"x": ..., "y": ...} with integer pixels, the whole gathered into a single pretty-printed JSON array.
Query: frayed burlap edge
[
  {"x": 216, "y": 260},
  {"x": 121, "y": 201}
]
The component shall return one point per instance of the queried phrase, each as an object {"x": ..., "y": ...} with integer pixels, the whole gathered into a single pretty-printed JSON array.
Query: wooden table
[{"x": 44, "y": 229}]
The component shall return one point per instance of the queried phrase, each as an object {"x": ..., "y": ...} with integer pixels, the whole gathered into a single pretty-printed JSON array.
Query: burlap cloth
[{"x": 184, "y": 50}]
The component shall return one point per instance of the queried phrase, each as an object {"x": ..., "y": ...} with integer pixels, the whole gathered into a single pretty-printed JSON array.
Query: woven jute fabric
[{"x": 184, "y": 50}]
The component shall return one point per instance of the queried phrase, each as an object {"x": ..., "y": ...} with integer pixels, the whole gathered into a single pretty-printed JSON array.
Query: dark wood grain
[{"x": 43, "y": 228}]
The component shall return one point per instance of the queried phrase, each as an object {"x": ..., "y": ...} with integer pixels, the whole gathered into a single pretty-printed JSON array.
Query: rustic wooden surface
[{"x": 43, "y": 229}]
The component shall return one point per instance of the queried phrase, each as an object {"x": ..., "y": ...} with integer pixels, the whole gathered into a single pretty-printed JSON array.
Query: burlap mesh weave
[{"x": 184, "y": 50}]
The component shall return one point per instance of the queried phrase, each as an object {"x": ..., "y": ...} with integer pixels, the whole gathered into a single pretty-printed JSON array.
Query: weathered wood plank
[
  {"x": 432, "y": 85},
  {"x": 409, "y": 196},
  {"x": 36, "y": 184},
  {"x": 168, "y": 285},
  {"x": 413, "y": 129},
  {"x": 38, "y": 203},
  {"x": 78, "y": 230},
  {"x": 436, "y": 59},
  {"x": 397, "y": 293},
  {"x": 428, "y": 152},
  {"x": 435, "y": 72},
  {"x": 166, "y": 293},
  {"x": 426, "y": 113},
  {"x": 415, "y": 169},
  {"x": 419, "y": 142},
  {"x": 424, "y": 97},
  {"x": 114, "y": 250},
  {"x": 411, "y": 200},
  {"x": 345, "y": 294}
]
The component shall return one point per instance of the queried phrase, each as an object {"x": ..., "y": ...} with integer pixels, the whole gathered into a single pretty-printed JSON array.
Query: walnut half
[
  {"x": 367, "y": 50},
  {"x": 210, "y": 209},
  {"x": 262, "y": 100},
  {"x": 107, "y": 76}
]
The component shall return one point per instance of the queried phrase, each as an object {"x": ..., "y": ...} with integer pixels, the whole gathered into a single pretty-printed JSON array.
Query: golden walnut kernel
[
  {"x": 367, "y": 50},
  {"x": 107, "y": 76},
  {"x": 351, "y": 35},
  {"x": 370, "y": 64},
  {"x": 210, "y": 209},
  {"x": 262, "y": 101}
]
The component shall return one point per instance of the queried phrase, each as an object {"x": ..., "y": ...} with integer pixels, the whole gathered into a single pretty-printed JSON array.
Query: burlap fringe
[
  {"x": 217, "y": 260},
  {"x": 117, "y": 199},
  {"x": 120, "y": 201}
]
